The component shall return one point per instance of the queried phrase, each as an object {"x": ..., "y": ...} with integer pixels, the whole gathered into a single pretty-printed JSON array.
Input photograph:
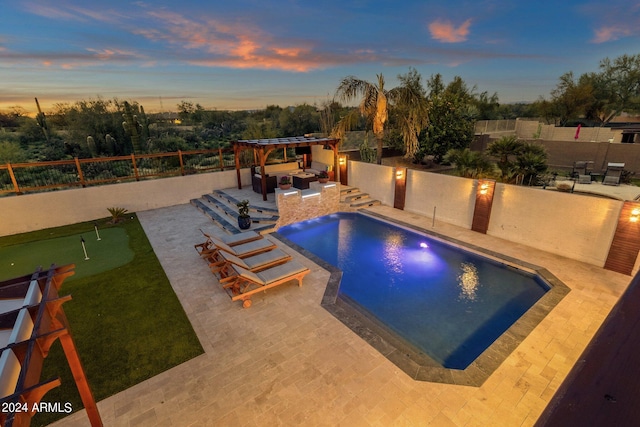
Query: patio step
[
  {"x": 211, "y": 213},
  {"x": 222, "y": 210},
  {"x": 366, "y": 203},
  {"x": 356, "y": 199}
]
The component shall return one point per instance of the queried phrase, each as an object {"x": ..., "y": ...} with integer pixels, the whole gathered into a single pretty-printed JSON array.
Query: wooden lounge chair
[
  {"x": 241, "y": 251},
  {"x": 246, "y": 283},
  {"x": 256, "y": 263},
  {"x": 207, "y": 246}
]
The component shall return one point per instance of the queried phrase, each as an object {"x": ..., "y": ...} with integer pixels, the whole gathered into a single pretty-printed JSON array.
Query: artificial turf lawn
[
  {"x": 127, "y": 323},
  {"x": 111, "y": 251}
]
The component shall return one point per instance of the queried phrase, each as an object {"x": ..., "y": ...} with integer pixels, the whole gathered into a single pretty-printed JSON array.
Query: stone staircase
[
  {"x": 351, "y": 198},
  {"x": 221, "y": 208}
]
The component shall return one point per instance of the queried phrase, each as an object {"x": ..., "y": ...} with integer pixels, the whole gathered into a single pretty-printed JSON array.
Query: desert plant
[
  {"x": 117, "y": 214},
  {"x": 285, "y": 180},
  {"x": 243, "y": 208},
  {"x": 367, "y": 154},
  {"x": 131, "y": 126}
]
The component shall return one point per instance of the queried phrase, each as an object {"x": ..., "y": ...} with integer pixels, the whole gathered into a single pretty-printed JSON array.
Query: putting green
[{"x": 111, "y": 251}]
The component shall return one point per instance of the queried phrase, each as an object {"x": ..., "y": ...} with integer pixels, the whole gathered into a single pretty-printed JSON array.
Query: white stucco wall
[
  {"x": 374, "y": 179},
  {"x": 576, "y": 226},
  {"x": 453, "y": 197},
  {"x": 19, "y": 214}
]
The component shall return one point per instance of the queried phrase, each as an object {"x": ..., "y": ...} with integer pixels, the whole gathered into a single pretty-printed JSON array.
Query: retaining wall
[{"x": 19, "y": 214}]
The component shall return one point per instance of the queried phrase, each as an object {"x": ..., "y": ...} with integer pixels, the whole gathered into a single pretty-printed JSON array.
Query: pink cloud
[
  {"x": 446, "y": 32},
  {"x": 606, "y": 34}
]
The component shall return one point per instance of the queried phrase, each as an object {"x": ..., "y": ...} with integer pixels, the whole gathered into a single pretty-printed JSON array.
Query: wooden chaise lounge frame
[
  {"x": 247, "y": 283},
  {"x": 223, "y": 267},
  {"x": 241, "y": 251},
  {"x": 208, "y": 246}
]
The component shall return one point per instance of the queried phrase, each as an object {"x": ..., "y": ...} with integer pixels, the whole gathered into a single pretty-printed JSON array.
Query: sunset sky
[{"x": 245, "y": 54}]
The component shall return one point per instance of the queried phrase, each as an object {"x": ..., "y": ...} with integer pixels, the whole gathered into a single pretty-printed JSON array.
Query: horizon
[{"x": 247, "y": 55}]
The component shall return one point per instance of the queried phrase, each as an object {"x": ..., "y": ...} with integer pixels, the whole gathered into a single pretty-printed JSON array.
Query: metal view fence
[{"x": 19, "y": 178}]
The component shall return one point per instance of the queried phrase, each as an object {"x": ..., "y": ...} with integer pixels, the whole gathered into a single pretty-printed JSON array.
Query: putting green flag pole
[
  {"x": 95, "y": 225},
  {"x": 84, "y": 249}
]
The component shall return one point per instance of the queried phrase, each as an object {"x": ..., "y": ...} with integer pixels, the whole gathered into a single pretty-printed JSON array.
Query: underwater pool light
[{"x": 423, "y": 245}]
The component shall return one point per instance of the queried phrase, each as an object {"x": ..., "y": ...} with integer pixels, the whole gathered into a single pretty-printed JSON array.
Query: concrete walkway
[{"x": 286, "y": 361}]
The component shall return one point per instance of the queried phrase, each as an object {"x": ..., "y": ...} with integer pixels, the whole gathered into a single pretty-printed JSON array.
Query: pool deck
[{"x": 287, "y": 361}]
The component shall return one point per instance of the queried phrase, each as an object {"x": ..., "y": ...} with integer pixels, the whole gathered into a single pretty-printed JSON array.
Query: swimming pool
[{"x": 438, "y": 304}]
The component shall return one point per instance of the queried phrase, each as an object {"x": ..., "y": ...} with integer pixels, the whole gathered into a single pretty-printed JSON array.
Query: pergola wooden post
[
  {"x": 236, "y": 156},
  {"x": 263, "y": 147},
  {"x": 262, "y": 156}
]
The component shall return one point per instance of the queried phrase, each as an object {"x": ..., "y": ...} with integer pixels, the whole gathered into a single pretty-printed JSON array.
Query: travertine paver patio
[{"x": 286, "y": 361}]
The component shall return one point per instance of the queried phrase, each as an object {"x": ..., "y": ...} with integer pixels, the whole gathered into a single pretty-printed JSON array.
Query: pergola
[{"x": 263, "y": 147}]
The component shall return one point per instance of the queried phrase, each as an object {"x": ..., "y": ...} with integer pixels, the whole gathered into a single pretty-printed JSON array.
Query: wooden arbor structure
[
  {"x": 31, "y": 320},
  {"x": 263, "y": 147}
]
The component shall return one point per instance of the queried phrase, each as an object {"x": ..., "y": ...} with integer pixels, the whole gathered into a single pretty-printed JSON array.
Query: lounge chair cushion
[
  {"x": 237, "y": 239},
  {"x": 239, "y": 250},
  {"x": 256, "y": 261},
  {"x": 273, "y": 274}
]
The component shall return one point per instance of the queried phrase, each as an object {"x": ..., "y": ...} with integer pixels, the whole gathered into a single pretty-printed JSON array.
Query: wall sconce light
[
  {"x": 342, "y": 161},
  {"x": 635, "y": 215},
  {"x": 399, "y": 174},
  {"x": 484, "y": 188}
]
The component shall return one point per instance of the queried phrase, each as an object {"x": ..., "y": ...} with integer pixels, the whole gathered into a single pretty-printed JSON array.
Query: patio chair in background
[
  {"x": 246, "y": 283},
  {"x": 207, "y": 246},
  {"x": 581, "y": 171},
  {"x": 613, "y": 174},
  {"x": 256, "y": 263}
]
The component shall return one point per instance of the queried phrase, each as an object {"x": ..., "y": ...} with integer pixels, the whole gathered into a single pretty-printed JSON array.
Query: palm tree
[
  {"x": 408, "y": 99},
  {"x": 374, "y": 106},
  {"x": 531, "y": 162},
  {"x": 468, "y": 164},
  {"x": 502, "y": 149}
]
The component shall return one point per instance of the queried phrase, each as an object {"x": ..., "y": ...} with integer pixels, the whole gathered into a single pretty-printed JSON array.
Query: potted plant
[
  {"x": 244, "y": 220},
  {"x": 285, "y": 182},
  {"x": 323, "y": 177}
]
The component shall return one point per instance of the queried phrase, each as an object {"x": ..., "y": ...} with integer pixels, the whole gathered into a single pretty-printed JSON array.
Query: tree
[
  {"x": 451, "y": 122},
  {"x": 503, "y": 149},
  {"x": 185, "y": 110},
  {"x": 570, "y": 98},
  {"x": 411, "y": 109},
  {"x": 488, "y": 107},
  {"x": 468, "y": 164},
  {"x": 531, "y": 162},
  {"x": 373, "y": 105},
  {"x": 617, "y": 86},
  {"x": 299, "y": 120}
]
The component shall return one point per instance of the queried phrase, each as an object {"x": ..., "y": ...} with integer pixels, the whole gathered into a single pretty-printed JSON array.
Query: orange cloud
[
  {"x": 233, "y": 45},
  {"x": 446, "y": 32}
]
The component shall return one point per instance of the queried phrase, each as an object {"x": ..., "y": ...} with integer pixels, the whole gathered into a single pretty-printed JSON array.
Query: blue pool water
[{"x": 449, "y": 303}]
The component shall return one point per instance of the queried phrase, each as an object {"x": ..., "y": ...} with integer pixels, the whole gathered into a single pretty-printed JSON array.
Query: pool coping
[{"x": 407, "y": 357}]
